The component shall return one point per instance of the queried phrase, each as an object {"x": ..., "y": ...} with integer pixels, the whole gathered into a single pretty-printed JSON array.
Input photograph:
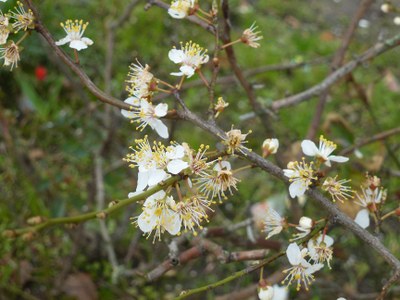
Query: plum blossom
[
  {"x": 75, "y": 30},
  {"x": 4, "y": 30},
  {"x": 301, "y": 175},
  {"x": 301, "y": 270},
  {"x": 24, "y": 20},
  {"x": 250, "y": 36},
  {"x": 141, "y": 82},
  {"x": 10, "y": 54},
  {"x": 266, "y": 293},
  {"x": 323, "y": 152},
  {"x": 145, "y": 113},
  {"x": 190, "y": 57},
  {"x": 159, "y": 215},
  {"x": 320, "y": 249},
  {"x": 273, "y": 222},
  {"x": 180, "y": 9}
]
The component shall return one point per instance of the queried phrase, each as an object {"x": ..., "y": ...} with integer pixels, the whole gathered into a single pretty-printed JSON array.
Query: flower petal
[
  {"x": 63, "y": 41},
  {"x": 339, "y": 159},
  {"x": 161, "y": 110},
  {"x": 87, "y": 41},
  {"x": 156, "y": 176},
  {"x": 293, "y": 254},
  {"x": 143, "y": 178},
  {"x": 362, "y": 218},
  {"x": 297, "y": 188},
  {"x": 177, "y": 56},
  {"x": 147, "y": 220},
  {"x": 187, "y": 70},
  {"x": 309, "y": 148},
  {"x": 78, "y": 45},
  {"x": 176, "y": 166},
  {"x": 160, "y": 128}
]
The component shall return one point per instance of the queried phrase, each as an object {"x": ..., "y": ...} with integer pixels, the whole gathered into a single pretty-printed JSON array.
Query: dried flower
[
  {"x": 4, "y": 29},
  {"x": 337, "y": 189},
  {"x": 10, "y": 54},
  {"x": 250, "y": 36},
  {"x": 320, "y": 249},
  {"x": 273, "y": 222},
  {"x": 24, "y": 20},
  {"x": 141, "y": 82},
  {"x": 220, "y": 106},
  {"x": 235, "y": 140}
]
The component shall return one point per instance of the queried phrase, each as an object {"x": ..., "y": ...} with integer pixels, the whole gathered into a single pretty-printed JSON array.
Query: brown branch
[
  {"x": 374, "y": 51},
  {"x": 263, "y": 113},
  {"x": 395, "y": 278},
  {"x": 337, "y": 62},
  {"x": 377, "y": 137}
]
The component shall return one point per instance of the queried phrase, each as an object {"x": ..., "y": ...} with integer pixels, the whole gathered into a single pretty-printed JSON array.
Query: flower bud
[
  {"x": 112, "y": 203},
  {"x": 35, "y": 220},
  {"x": 385, "y": 8},
  {"x": 396, "y": 20},
  {"x": 270, "y": 146},
  {"x": 306, "y": 222},
  {"x": 101, "y": 215},
  {"x": 266, "y": 292}
]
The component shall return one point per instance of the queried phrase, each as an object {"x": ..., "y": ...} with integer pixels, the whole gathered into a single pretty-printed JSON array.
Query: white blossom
[
  {"x": 301, "y": 270},
  {"x": 141, "y": 82},
  {"x": 320, "y": 249},
  {"x": 273, "y": 222},
  {"x": 75, "y": 30},
  {"x": 280, "y": 292},
  {"x": 362, "y": 218},
  {"x": 24, "y": 20},
  {"x": 323, "y": 152},
  {"x": 146, "y": 113},
  {"x": 159, "y": 215},
  {"x": 190, "y": 57},
  {"x": 4, "y": 29},
  {"x": 10, "y": 54},
  {"x": 301, "y": 175},
  {"x": 180, "y": 9}
]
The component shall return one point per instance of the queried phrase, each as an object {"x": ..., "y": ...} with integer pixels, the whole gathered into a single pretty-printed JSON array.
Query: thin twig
[{"x": 337, "y": 62}]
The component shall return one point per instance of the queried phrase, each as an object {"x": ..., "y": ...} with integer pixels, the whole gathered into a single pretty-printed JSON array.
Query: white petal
[
  {"x": 160, "y": 128},
  {"x": 293, "y": 254},
  {"x": 177, "y": 74},
  {"x": 134, "y": 101},
  {"x": 176, "y": 166},
  {"x": 327, "y": 240},
  {"x": 362, "y": 218},
  {"x": 177, "y": 14},
  {"x": 297, "y": 188},
  {"x": 309, "y": 148},
  {"x": 87, "y": 41},
  {"x": 177, "y": 56},
  {"x": 288, "y": 173},
  {"x": 161, "y": 110},
  {"x": 339, "y": 159},
  {"x": 187, "y": 70},
  {"x": 280, "y": 293},
  {"x": 63, "y": 41},
  {"x": 143, "y": 178},
  {"x": 173, "y": 222},
  {"x": 176, "y": 152},
  {"x": 78, "y": 45},
  {"x": 313, "y": 269},
  {"x": 147, "y": 220},
  {"x": 127, "y": 114},
  {"x": 156, "y": 176}
]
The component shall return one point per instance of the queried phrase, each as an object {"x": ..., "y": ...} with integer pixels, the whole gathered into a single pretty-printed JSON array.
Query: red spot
[{"x": 40, "y": 73}]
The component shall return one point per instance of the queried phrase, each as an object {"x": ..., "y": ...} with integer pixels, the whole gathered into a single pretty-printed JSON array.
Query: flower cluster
[
  {"x": 302, "y": 175},
  {"x": 11, "y": 23}
]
